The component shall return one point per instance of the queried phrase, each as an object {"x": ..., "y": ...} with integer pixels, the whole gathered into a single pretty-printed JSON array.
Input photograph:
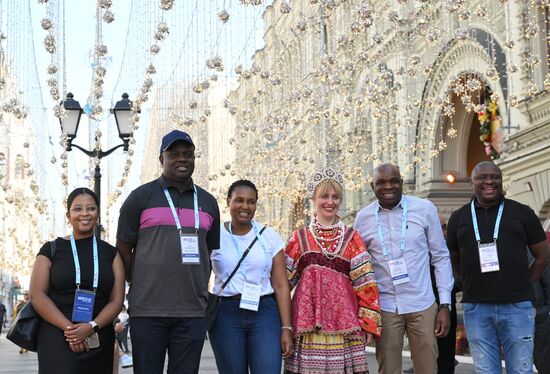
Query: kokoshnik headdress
[{"x": 320, "y": 176}]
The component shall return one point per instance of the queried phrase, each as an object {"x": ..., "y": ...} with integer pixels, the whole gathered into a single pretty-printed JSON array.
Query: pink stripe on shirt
[{"x": 162, "y": 216}]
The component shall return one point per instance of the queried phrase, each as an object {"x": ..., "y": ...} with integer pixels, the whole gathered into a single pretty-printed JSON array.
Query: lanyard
[
  {"x": 77, "y": 263},
  {"x": 195, "y": 208},
  {"x": 240, "y": 251},
  {"x": 405, "y": 205},
  {"x": 497, "y": 223}
]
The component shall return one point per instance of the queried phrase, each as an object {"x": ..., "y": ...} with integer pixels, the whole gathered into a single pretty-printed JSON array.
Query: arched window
[{"x": 19, "y": 167}]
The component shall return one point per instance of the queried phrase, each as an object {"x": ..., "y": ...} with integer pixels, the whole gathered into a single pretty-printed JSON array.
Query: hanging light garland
[
  {"x": 335, "y": 77},
  {"x": 160, "y": 35}
]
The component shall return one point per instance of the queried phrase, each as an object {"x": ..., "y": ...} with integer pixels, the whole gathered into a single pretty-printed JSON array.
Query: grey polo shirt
[{"x": 161, "y": 285}]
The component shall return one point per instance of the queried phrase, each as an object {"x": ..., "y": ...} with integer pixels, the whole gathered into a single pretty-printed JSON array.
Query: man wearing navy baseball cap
[{"x": 166, "y": 231}]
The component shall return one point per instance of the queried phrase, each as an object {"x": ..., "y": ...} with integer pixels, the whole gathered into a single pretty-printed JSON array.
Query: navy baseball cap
[{"x": 174, "y": 136}]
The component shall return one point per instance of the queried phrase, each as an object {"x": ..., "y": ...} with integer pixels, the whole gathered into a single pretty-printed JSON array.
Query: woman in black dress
[{"x": 67, "y": 339}]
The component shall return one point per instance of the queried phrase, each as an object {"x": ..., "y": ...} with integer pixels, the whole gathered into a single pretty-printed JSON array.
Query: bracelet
[{"x": 289, "y": 328}]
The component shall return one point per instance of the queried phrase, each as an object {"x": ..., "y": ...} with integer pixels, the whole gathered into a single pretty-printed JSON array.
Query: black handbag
[
  {"x": 214, "y": 300},
  {"x": 24, "y": 328}
]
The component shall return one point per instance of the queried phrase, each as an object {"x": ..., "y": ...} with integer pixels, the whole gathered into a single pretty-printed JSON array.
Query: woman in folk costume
[{"x": 335, "y": 307}]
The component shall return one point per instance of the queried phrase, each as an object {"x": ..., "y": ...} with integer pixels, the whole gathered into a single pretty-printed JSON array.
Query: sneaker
[
  {"x": 126, "y": 361},
  {"x": 409, "y": 370}
]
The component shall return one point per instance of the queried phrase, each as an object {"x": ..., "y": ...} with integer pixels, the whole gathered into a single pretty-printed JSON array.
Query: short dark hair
[
  {"x": 81, "y": 191},
  {"x": 241, "y": 183}
]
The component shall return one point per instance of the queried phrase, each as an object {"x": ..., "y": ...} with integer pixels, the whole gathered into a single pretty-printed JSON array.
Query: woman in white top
[{"x": 253, "y": 327}]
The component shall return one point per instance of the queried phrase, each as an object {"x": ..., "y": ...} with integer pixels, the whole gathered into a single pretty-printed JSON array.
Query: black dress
[{"x": 54, "y": 353}]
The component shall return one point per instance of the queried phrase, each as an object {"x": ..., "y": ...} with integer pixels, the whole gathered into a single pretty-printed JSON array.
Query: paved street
[{"x": 11, "y": 362}]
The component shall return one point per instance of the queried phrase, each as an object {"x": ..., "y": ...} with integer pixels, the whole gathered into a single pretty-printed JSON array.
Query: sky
[
  {"x": 80, "y": 41},
  {"x": 195, "y": 33}
]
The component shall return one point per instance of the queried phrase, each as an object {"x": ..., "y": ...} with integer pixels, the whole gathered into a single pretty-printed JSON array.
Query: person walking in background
[
  {"x": 18, "y": 306},
  {"x": 167, "y": 230},
  {"x": 3, "y": 317},
  {"x": 404, "y": 237},
  {"x": 77, "y": 287},
  {"x": 122, "y": 333},
  {"x": 335, "y": 307},
  {"x": 542, "y": 322},
  {"x": 253, "y": 327},
  {"x": 487, "y": 238}
]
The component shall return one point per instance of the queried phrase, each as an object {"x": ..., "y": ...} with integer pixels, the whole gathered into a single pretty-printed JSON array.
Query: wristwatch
[
  {"x": 445, "y": 306},
  {"x": 94, "y": 325}
]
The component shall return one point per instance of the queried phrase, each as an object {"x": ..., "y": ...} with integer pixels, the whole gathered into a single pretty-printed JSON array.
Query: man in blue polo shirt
[
  {"x": 487, "y": 238},
  {"x": 166, "y": 231}
]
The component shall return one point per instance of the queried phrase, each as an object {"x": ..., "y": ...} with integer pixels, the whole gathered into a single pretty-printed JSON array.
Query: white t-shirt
[{"x": 226, "y": 258}]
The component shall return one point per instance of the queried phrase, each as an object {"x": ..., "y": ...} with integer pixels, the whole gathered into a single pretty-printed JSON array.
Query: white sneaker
[{"x": 126, "y": 361}]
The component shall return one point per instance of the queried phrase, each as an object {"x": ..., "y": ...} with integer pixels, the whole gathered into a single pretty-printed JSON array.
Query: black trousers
[
  {"x": 542, "y": 341},
  {"x": 447, "y": 347}
]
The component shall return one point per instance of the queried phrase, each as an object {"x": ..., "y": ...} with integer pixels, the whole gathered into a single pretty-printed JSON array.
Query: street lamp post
[{"x": 69, "y": 126}]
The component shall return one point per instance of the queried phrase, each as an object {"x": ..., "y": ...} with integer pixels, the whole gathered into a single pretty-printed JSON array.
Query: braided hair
[{"x": 241, "y": 183}]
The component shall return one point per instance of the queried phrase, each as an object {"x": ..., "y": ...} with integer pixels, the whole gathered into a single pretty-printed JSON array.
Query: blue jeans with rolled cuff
[
  {"x": 510, "y": 325},
  {"x": 243, "y": 339}
]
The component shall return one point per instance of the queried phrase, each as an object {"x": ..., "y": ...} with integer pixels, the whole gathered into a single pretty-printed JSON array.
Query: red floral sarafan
[{"x": 333, "y": 295}]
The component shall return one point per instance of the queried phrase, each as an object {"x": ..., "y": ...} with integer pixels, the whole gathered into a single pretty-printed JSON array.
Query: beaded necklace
[{"x": 328, "y": 238}]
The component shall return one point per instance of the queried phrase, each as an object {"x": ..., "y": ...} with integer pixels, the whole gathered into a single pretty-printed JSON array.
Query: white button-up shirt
[{"x": 423, "y": 238}]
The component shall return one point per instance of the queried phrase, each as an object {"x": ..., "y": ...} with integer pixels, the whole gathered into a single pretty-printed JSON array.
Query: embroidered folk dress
[{"x": 335, "y": 303}]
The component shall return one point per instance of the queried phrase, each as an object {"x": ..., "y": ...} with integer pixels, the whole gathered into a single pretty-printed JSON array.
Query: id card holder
[
  {"x": 190, "y": 249},
  {"x": 488, "y": 257},
  {"x": 93, "y": 340},
  {"x": 250, "y": 297},
  {"x": 83, "y": 306},
  {"x": 398, "y": 270}
]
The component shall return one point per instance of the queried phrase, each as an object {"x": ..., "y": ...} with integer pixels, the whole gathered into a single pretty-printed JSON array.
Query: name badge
[
  {"x": 250, "y": 297},
  {"x": 190, "y": 249},
  {"x": 398, "y": 270},
  {"x": 488, "y": 257},
  {"x": 83, "y": 307}
]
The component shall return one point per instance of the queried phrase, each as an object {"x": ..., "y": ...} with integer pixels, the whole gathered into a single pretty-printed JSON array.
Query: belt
[{"x": 238, "y": 297}]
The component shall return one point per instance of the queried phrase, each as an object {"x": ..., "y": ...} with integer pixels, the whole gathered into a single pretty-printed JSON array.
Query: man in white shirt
[{"x": 401, "y": 232}]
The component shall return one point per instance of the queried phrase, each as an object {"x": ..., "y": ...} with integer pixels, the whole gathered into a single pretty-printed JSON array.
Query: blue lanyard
[
  {"x": 405, "y": 206},
  {"x": 497, "y": 223},
  {"x": 240, "y": 251},
  {"x": 77, "y": 263},
  {"x": 175, "y": 214}
]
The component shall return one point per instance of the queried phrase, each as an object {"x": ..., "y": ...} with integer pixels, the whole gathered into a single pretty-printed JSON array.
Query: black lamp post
[{"x": 69, "y": 126}]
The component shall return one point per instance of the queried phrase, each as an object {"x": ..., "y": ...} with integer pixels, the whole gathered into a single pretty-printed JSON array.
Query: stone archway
[
  {"x": 465, "y": 150},
  {"x": 465, "y": 58}
]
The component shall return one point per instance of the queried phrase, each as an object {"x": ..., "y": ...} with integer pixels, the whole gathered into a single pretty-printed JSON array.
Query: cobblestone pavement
[{"x": 11, "y": 362}]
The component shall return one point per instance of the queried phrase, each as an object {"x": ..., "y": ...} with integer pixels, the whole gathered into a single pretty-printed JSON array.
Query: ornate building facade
[
  {"x": 21, "y": 204},
  {"x": 433, "y": 86}
]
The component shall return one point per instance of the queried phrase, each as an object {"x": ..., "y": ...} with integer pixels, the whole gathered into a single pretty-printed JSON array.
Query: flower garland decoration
[{"x": 491, "y": 131}]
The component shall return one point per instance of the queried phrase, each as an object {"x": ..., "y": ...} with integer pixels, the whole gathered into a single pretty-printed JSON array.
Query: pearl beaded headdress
[{"x": 320, "y": 176}]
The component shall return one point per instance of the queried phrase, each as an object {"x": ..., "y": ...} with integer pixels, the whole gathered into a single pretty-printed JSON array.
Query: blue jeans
[
  {"x": 241, "y": 338},
  {"x": 152, "y": 336},
  {"x": 490, "y": 326}
]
